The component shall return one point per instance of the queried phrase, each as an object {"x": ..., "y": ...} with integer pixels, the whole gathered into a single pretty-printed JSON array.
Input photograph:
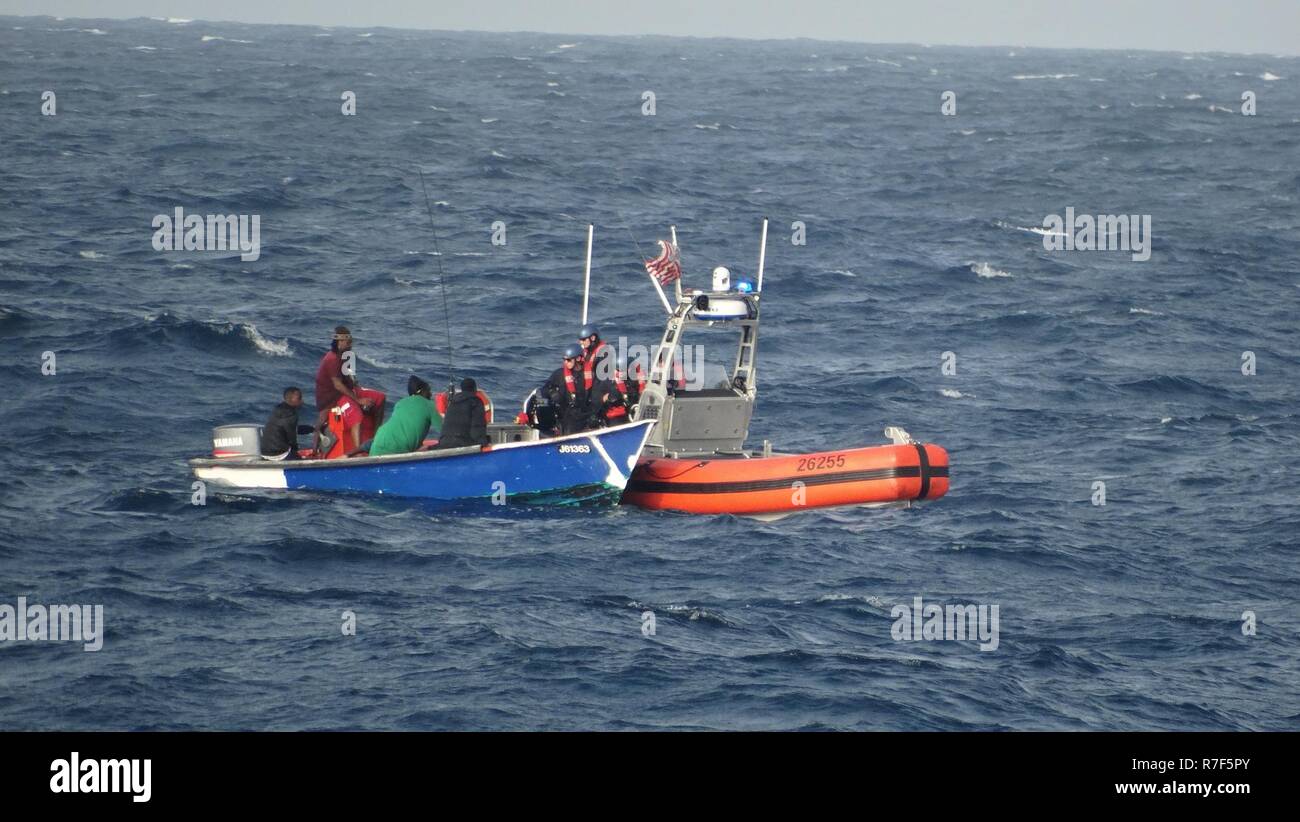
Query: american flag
[{"x": 665, "y": 268}]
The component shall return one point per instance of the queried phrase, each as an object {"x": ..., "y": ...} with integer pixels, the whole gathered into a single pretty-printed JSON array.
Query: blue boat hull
[{"x": 592, "y": 467}]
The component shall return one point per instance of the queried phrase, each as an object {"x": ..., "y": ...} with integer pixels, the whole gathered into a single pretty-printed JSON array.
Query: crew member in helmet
[
  {"x": 600, "y": 363},
  {"x": 597, "y": 354},
  {"x": 577, "y": 394}
]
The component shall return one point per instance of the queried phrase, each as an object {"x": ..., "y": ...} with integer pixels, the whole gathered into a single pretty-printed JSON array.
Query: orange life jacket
[
  {"x": 589, "y": 368},
  {"x": 588, "y": 378},
  {"x": 441, "y": 401}
]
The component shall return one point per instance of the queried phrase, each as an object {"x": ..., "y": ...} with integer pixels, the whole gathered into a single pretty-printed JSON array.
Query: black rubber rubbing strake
[
  {"x": 925, "y": 471},
  {"x": 643, "y": 486}
]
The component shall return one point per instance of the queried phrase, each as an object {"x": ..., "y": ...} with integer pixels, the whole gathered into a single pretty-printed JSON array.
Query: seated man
[
  {"x": 465, "y": 422},
  {"x": 280, "y": 436},
  {"x": 410, "y": 422}
]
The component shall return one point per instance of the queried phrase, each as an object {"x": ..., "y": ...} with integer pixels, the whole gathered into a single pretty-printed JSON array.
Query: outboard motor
[
  {"x": 231, "y": 441},
  {"x": 542, "y": 413}
]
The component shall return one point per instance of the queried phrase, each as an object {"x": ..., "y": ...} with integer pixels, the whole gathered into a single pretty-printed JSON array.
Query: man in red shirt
[{"x": 335, "y": 388}]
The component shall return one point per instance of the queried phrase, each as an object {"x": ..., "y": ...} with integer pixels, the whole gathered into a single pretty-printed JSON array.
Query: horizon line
[{"x": 740, "y": 38}]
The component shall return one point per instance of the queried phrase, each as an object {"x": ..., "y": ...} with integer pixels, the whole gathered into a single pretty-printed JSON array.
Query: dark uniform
[
  {"x": 578, "y": 405},
  {"x": 465, "y": 422}
]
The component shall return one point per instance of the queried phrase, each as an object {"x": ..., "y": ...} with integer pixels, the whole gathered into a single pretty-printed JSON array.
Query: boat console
[{"x": 703, "y": 421}]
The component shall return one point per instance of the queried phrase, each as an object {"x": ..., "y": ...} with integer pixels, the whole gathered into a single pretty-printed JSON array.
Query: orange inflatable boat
[{"x": 788, "y": 483}]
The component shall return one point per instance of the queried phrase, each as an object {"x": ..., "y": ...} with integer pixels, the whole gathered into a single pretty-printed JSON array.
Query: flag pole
[
  {"x": 641, "y": 254},
  {"x": 662, "y": 296},
  {"x": 586, "y": 277},
  {"x": 762, "y": 256},
  {"x": 677, "y": 283}
]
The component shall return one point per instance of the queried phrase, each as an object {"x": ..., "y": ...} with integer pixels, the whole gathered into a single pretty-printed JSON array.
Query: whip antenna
[
  {"x": 641, "y": 255},
  {"x": 442, "y": 279}
]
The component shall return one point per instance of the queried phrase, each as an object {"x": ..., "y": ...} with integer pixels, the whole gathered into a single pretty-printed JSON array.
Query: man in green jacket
[{"x": 410, "y": 422}]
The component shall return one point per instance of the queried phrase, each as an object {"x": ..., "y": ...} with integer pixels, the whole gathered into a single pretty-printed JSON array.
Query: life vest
[
  {"x": 571, "y": 385},
  {"x": 614, "y": 412},
  {"x": 589, "y": 368},
  {"x": 342, "y": 436}
]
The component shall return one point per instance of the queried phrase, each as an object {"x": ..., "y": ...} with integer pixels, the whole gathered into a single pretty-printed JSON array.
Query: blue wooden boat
[{"x": 592, "y": 467}]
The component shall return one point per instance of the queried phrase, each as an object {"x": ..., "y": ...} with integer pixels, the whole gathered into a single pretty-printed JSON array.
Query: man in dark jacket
[
  {"x": 577, "y": 394},
  {"x": 465, "y": 422},
  {"x": 280, "y": 436}
]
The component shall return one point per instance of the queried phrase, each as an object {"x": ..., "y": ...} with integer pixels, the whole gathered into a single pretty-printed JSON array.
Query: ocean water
[{"x": 923, "y": 236}]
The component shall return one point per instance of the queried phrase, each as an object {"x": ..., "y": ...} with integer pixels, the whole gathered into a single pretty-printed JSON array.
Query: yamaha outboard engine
[{"x": 233, "y": 441}]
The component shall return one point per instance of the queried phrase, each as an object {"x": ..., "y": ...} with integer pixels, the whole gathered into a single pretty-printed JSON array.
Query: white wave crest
[
  {"x": 1042, "y": 232},
  {"x": 264, "y": 344},
  {"x": 276, "y": 348},
  {"x": 986, "y": 270}
]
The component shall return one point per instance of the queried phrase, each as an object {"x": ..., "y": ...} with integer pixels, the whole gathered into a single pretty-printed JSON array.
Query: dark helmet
[
  {"x": 573, "y": 350},
  {"x": 588, "y": 330}
]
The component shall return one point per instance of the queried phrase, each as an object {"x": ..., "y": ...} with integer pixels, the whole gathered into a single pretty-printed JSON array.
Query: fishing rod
[{"x": 442, "y": 282}]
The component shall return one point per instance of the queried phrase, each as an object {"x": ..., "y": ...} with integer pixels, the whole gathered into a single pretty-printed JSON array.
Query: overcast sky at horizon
[{"x": 1266, "y": 26}]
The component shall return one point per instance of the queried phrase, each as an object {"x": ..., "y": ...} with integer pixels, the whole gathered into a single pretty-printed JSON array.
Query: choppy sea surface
[{"x": 923, "y": 236}]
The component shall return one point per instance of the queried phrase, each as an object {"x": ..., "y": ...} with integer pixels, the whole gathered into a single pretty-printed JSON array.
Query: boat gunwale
[{"x": 410, "y": 456}]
